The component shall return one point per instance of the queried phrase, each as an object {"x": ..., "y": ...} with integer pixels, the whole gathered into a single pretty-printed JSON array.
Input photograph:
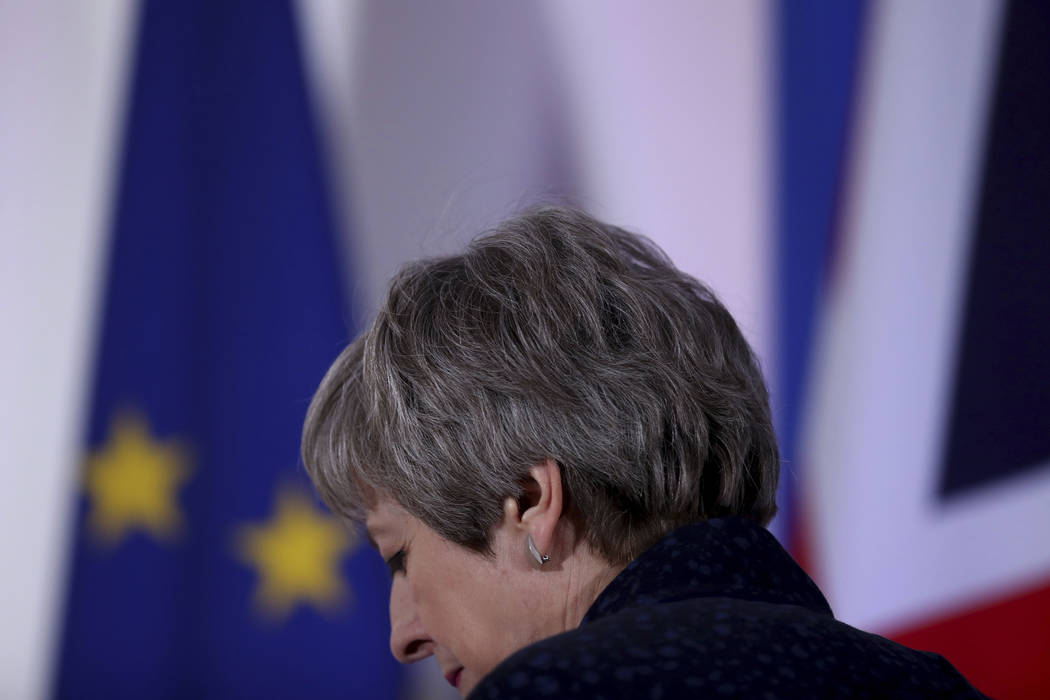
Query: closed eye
[{"x": 396, "y": 563}]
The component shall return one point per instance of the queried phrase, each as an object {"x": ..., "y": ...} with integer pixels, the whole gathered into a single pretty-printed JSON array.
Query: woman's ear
[{"x": 541, "y": 505}]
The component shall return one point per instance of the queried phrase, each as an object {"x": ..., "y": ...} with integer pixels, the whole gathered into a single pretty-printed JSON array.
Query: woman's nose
[{"x": 408, "y": 640}]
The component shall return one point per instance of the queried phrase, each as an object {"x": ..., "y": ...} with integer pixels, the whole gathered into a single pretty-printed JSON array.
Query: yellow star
[
  {"x": 132, "y": 481},
  {"x": 297, "y": 555}
]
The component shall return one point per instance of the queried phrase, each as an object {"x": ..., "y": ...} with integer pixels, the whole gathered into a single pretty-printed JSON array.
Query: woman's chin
[{"x": 466, "y": 683}]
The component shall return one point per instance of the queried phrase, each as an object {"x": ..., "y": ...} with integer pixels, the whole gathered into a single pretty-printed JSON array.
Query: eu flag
[{"x": 203, "y": 566}]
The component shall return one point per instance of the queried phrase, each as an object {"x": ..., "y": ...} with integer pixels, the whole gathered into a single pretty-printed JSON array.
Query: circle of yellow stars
[{"x": 132, "y": 483}]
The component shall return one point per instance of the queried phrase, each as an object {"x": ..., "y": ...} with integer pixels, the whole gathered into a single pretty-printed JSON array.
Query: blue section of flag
[
  {"x": 818, "y": 52},
  {"x": 222, "y": 311},
  {"x": 999, "y": 421}
]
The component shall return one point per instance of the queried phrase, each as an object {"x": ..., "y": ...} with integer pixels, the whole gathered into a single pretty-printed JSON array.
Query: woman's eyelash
[{"x": 396, "y": 562}]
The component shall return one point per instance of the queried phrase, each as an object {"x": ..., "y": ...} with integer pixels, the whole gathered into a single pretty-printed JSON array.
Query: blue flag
[
  {"x": 203, "y": 566},
  {"x": 818, "y": 60}
]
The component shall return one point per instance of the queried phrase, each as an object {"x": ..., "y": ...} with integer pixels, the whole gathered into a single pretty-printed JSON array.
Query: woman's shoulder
[{"x": 720, "y": 646}]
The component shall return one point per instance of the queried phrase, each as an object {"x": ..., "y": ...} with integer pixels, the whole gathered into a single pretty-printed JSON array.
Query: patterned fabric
[{"x": 718, "y": 609}]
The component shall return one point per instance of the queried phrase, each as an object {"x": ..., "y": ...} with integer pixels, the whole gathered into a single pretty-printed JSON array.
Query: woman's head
[
  {"x": 559, "y": 383},
  {"x": 558, "y": 337}
]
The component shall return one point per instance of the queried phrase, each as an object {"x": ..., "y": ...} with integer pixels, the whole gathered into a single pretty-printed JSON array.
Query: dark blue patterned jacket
[{"x": 718, "y": 609}]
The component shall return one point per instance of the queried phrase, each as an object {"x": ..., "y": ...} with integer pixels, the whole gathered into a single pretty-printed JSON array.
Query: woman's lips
[{"x": 453, "y": 677}]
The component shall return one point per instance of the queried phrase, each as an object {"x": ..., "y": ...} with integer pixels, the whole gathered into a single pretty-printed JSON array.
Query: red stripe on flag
[
  {"x": 799, "y": 544},
  {"x": 1003, "y": 647}
]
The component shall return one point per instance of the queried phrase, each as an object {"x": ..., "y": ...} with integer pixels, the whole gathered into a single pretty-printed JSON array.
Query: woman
[{"x": 561, "y": 444}]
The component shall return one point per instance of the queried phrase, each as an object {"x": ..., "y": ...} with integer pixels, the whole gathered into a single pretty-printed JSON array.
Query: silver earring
[{"x": 541, "y": 559}]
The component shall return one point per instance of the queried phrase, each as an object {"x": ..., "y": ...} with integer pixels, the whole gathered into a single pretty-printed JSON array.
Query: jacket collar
[{"x": 724, "y": 557}]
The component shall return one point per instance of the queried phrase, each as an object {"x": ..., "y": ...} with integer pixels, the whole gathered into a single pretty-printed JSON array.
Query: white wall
[{"x": 61, "y": 69}]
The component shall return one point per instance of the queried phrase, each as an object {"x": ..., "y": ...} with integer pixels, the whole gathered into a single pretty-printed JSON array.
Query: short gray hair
[{"x": 552, "y": 336}]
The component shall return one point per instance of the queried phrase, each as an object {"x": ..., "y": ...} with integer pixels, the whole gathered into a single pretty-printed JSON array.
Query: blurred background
[{"x": 200, "y": 204}]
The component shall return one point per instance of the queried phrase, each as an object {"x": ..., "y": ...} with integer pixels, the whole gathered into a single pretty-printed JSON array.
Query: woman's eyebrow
[{"x": 371, "y": 539}]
